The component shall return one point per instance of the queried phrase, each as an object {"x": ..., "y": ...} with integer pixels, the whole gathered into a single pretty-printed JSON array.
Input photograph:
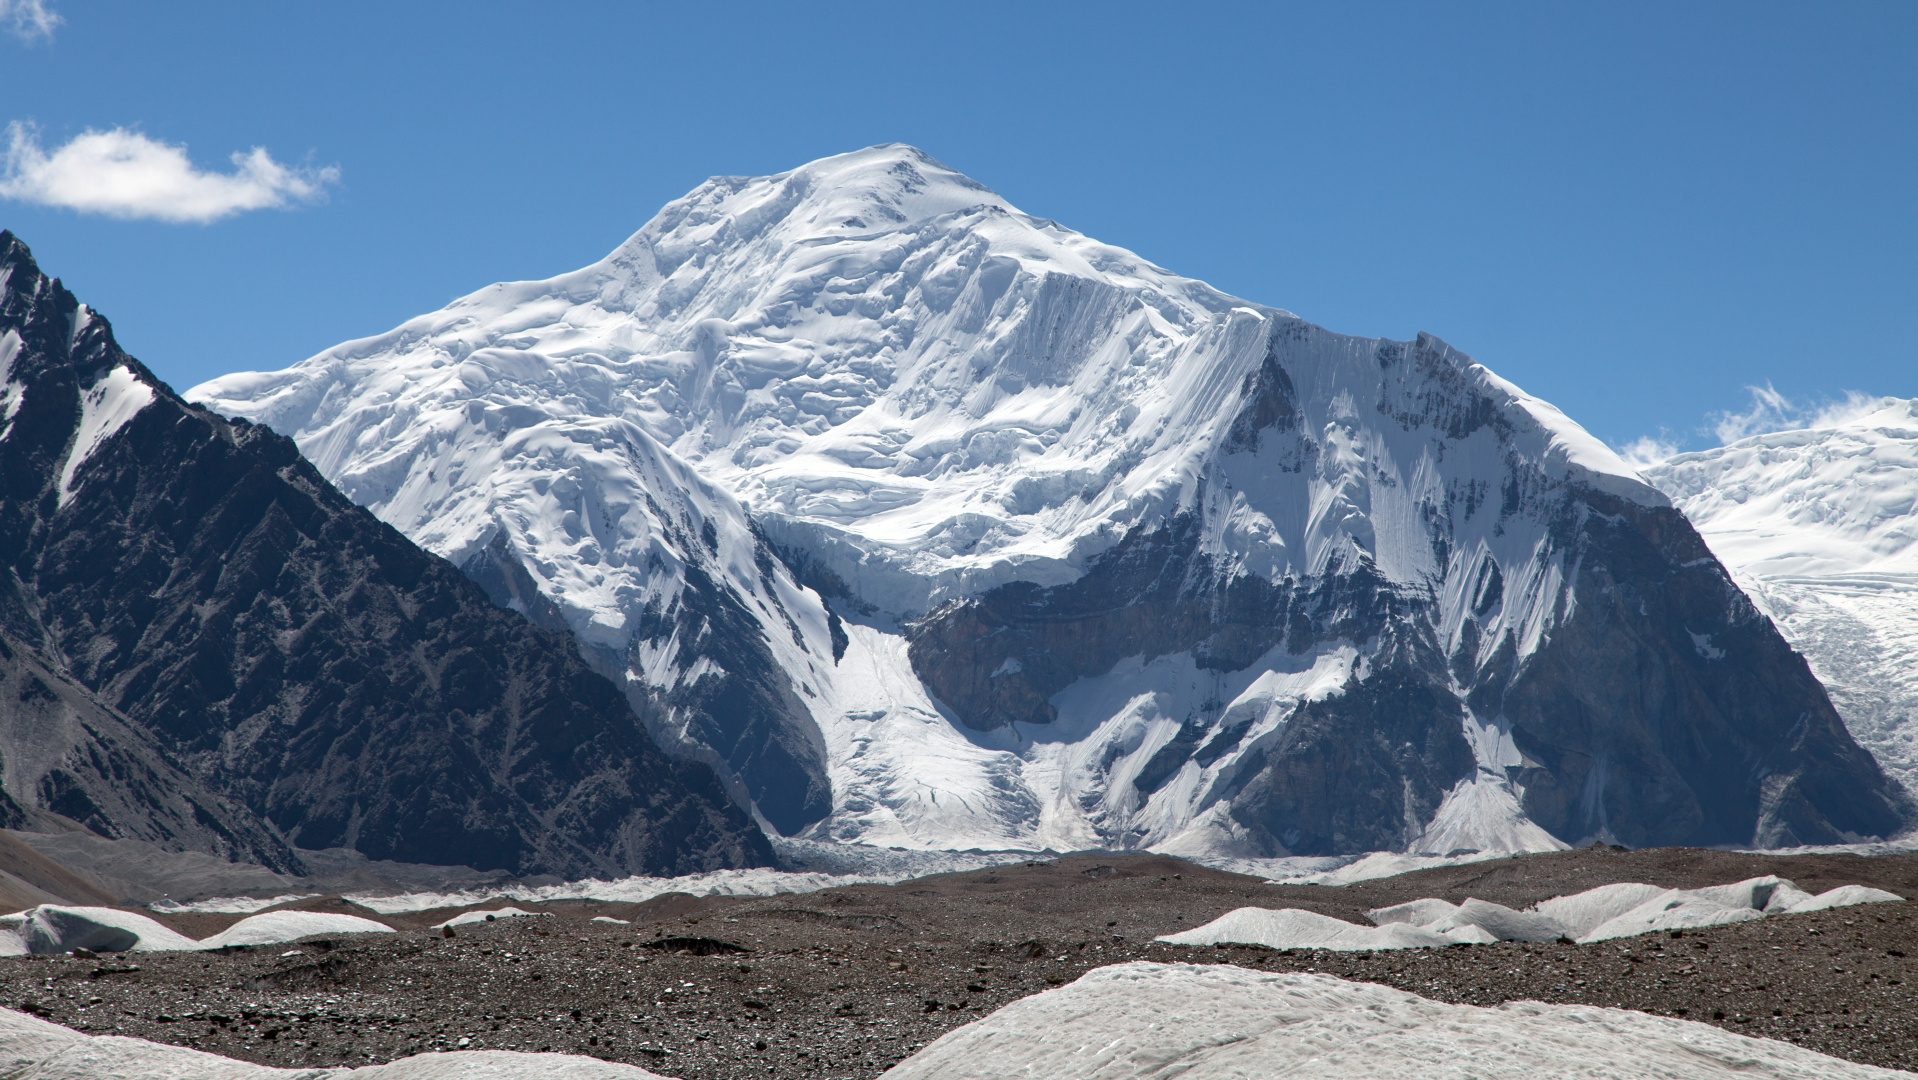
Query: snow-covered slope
[
  {"x": 933, "y": 524},
  {"x": 1217, "y": 1022},
  {"x": 1820, "y": 526}
]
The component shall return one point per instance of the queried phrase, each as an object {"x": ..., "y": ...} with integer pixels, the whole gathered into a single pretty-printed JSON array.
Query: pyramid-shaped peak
[
  {"x": 874, "y": 190},
  {"x": 887, "y": 168}
]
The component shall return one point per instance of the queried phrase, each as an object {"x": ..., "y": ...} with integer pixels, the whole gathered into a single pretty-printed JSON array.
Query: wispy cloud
[
  {"x": 1647, "y": 450},
  {"x": 1772, "y": 411},
  {"x": 125, "y": 174},
  {"x": 29, "y": 20}
]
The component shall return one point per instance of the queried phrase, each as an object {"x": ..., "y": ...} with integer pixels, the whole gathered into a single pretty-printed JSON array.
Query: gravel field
[{"x": 845, "y": 982}]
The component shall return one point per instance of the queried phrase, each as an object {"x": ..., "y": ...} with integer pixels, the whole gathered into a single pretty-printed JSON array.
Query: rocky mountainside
[
  {"x": 1820, "y": 526},
  {"x": 933, "y": 524},
  {"x": 207, "y": 645}
]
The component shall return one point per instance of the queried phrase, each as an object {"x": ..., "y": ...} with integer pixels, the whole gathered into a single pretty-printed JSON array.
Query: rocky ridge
[
  {"x": 1820, "y": 527},
  {"x": 209, "y": 646}
]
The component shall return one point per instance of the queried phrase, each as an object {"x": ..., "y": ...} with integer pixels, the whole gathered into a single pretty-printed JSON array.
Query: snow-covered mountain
[
  {"x": 1820, "y": 526},
  {"x": 933, "y": 524}
]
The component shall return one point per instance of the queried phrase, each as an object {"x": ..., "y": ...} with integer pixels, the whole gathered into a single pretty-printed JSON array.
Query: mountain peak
[{"x": 999, "y": 536}]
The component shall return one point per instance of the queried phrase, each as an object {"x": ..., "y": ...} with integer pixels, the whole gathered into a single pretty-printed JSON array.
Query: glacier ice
[
  {"x": 47, "y": 1051},
  {"x": 54, "y": 928},
  {"x": 1621, "y": 909},
  {"x": 1217, "y": 1021}
]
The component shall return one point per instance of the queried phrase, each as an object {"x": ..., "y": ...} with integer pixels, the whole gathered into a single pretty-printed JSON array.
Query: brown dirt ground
[{"x": 843, "y": 983}]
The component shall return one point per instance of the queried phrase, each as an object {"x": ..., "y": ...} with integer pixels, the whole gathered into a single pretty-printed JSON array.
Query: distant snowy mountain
[
  {"x": 1821, "y": 527},
  {"x": 932, "y": 524}
]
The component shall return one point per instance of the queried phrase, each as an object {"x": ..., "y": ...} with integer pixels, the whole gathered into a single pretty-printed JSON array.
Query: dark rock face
[
  {"x": 70, "y": 757},
  {"x": 742, "y": 716},
  {"x": 300, "y": 657},
  {"x": 1362, "y": 771},
  {"x": 746, "y": 712},
  {"x": 1661, "y": 709},
  {"x": 1667, "y": 709}
]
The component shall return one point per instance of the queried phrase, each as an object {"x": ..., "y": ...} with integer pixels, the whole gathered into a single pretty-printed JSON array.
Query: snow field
[
  {"x": 1148, "y": 1020},
  {"x": 1625, "y": 909},
  {"x": 51, "y": 928}
]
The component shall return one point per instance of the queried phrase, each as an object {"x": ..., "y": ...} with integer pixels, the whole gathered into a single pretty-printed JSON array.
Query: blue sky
[{"x": 1635, "y": 211}]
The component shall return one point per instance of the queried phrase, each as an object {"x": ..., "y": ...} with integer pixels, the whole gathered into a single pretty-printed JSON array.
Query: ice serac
[
  {"x": 206, "y": 646},
  {"x": 1016, "y": 540},
  {"x": 1820, "y": 526}
]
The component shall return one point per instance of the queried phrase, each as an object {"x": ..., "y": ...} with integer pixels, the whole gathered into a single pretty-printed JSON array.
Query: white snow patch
[
  {"x": 43, "y": 1050},
  {"x": 1844, "y": 896},
  {"x": 105, "y": 408},
  {"x": 226, "y": 905},
  {"x": 1625, "y": 909},
  {"x": 467, "y": 918},
  {"x": 273, "y": 927},
  {"x": 12, "y": 393},
  {"x": 52, "y": 928},
  {"x": 1141, "y": 1021},
  {"x": 1292, "y": 928},
  {"x": 1481, "y": 814}
]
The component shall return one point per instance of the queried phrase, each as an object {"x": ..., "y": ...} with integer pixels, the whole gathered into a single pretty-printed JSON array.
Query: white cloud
[
  {"x": 1647, "y": 450},
  {"x": 125, "y": 174},
  {"x": 28, "y": 20},
  {"x": 1855, "y": 406},
  {"x": 1772, "y": 411}
]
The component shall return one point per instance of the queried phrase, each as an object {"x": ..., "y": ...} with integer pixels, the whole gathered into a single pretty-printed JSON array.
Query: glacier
[
  {"x": 931, "y": 524},
  {"x": 1820, "y": 527}
]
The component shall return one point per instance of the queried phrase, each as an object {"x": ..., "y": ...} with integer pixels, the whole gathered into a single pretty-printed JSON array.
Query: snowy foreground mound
[
  {"x": 1820, "y": 526},
  {"x": 51, "y": 928},
  {"x": 31, "y": 1047},
  {"x": 1620, "y": 910},
  {"x": 1158, "y": 1020}
]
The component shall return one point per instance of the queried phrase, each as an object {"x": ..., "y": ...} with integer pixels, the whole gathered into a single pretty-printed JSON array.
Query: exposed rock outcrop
[{"x": 198, "y": 577}]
